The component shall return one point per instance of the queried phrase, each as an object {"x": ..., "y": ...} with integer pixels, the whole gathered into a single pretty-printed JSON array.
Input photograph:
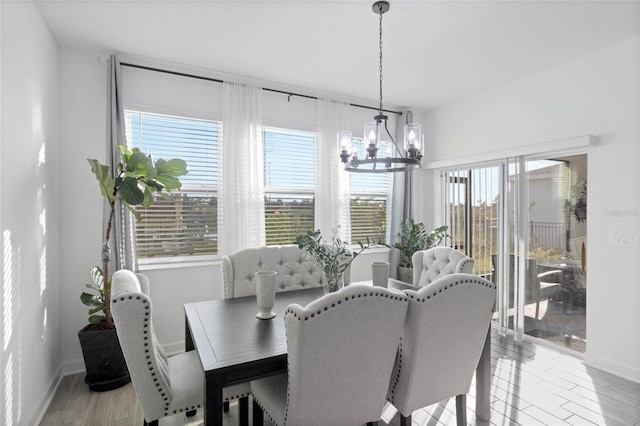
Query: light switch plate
[{"x": 624, "y": 239}]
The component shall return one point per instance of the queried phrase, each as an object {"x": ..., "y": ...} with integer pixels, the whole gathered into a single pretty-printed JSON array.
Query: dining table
[{"x": 234, "y": 346}]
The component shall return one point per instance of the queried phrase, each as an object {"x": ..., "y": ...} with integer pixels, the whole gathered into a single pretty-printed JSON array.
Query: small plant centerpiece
[
  {"x": 414, "y": 237},
  {"x": 134, "y": 182},
  {"x": 333, "y": 257}
]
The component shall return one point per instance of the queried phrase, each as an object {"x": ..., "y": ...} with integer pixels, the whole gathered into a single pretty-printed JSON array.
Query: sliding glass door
[{"x": 523, "y": 220}]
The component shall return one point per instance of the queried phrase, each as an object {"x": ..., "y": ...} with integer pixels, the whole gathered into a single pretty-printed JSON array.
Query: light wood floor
[{"x": 531, "y": 385}]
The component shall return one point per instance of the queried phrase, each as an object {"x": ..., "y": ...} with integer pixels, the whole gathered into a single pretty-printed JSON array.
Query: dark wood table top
[{"x": 226, "y": 332}]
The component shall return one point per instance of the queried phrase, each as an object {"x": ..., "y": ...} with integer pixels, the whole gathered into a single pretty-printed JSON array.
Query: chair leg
[
  {"x": 243, "y": 411},
  {"x": 258, "y": 415},
  {"x": 461, "y": 409},
  {"x": 405, "y": 421}
]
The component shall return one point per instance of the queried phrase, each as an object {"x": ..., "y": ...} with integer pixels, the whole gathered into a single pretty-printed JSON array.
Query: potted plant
[
  {"x": 579, "y": 207},
  {"x": 333, "y": 257},
  {"x": 414, "y": 237},
  {"x": 134, "y": 181}
]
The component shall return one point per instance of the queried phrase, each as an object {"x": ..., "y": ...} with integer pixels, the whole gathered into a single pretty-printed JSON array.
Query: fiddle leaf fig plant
[
  {"x": 95, "y": 301},
  {"x": 134, "y": 182}
]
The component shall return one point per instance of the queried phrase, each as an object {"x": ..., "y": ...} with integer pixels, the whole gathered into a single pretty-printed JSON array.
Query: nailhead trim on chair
[
  {"x": 466, "y": 281},
  {"x": 241, "y": 395},
  {"x": 145, "y": 332},
  {"x": 346, "y": 299},
  {"x": 265, "y": 412},
  {"x": 395, "y": 380},
  {"x": 464, "y": 262}
]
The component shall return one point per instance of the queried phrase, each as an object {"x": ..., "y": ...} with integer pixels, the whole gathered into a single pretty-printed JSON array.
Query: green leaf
[
  {"x": 129, "y": 191},
  {"x": 174, "y": 167},
  {"x": 94, "y": 319},
  {"x": 152, "y": 185},
  {"x": 138, "y": 164},
  {"x": 97, "y": 277},
  {"x": 90, "y": 299},
  {"x": 105, "y": 181},
  {"x": 96, "y": 309},
  {"x": 148, "y": 196},
  {"x": 133, "y": 211},
  {"x": 169, "y": 182}
]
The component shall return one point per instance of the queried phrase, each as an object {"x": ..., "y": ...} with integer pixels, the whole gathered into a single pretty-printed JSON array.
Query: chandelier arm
[{"x": 393, "y": 140}]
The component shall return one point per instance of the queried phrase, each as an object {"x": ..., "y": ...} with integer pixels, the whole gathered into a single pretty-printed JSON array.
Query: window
[
  {"x": 370, "y": 196},
  {"x": 185, "y": 222},
  {"x": 289, "y": 184}
]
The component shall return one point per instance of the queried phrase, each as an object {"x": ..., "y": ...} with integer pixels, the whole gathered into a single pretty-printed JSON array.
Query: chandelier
[{"x": 382, "y": 153}]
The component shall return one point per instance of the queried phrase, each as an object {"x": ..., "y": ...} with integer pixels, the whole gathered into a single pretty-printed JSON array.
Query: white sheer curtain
[
  {"x": 332, "y": 195},
  {"x": 241, "y": 221},
  {"x": 123, "y": 233}
]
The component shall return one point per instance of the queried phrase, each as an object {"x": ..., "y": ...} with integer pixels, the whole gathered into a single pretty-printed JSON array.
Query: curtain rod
[{"x": 200, "y": 77}]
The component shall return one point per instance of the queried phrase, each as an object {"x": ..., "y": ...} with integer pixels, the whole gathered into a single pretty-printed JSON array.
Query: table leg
[
  {"x": 483, "y": 382},
  {"x": 188, "y": 338},
  {"x": 213, "y": 400}
]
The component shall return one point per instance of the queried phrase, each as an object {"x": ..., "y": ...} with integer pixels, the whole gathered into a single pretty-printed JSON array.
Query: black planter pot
[{"x": 103, "y": 359}]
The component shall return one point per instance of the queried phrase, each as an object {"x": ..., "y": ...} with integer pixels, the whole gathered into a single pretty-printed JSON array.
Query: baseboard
[
  {"x": 48, "y": 397},
  {"x": 75, "y": 366},
  {"x": 627, "y": 372}
]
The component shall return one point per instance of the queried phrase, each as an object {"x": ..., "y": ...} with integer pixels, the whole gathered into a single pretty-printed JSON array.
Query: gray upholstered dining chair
[
  {"x": 537, "y": 285},
  {"x": 294, "y": 270},
  {"x": 164, "y": 385},
  {"x": 341, "y": 350},
  {"x": 436, "y": 262},
  {"x": 444, "y": 333}
]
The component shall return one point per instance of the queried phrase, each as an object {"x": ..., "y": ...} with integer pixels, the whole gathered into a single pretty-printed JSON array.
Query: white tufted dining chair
[
  {"x": 431, "y": 264},
  {"x": 164, "y": 385},
  {"x": 341, "y": 350},
  {"x": 294, "y": 270},
  {"x": 444, "y": 333}
]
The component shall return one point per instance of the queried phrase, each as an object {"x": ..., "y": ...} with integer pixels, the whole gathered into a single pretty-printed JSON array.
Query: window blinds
[
  {"x": 184, "y": 222},
  {"x": 289, "y": 184}
]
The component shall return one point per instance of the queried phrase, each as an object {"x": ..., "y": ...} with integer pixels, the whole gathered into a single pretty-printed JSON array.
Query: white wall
[
  {"x": 596, "y": 94},
  {"x": 30, "y": 350}
]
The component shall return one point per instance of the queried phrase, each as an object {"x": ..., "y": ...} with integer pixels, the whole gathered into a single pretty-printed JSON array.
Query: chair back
[
  {"x": 531, "y": 281},
  {"x": 444, "y": 333},
  {"x": 147, "y": 361},
  {"x": 436, "y": 262},
  {"x": 294, "y": 270},
  {"x": 341, "y": 350}
]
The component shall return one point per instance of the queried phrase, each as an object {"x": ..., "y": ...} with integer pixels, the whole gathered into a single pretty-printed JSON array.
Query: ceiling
[{"x": 434, "y": 52}]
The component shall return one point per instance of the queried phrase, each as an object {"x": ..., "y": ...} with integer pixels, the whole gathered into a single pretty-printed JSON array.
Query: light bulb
[{"x": 372, "y": 137}]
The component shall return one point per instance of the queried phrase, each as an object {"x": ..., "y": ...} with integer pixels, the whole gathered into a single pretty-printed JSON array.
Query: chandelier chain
[
  {"x": 380, "y": 46},
  {"x": 407, "y": 158}
]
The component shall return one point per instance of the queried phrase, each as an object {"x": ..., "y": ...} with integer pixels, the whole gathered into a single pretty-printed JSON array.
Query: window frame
[{"x": 162, "y": 262}]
